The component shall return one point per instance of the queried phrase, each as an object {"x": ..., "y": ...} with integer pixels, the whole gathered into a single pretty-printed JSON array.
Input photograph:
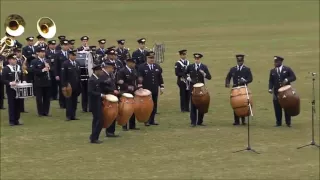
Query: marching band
[{"x": 52, "y": 71}]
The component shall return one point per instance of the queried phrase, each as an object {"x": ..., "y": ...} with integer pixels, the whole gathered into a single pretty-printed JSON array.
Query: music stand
[
  {"x": 313, "y": 112},
  {"x": 251, "y": 114}
]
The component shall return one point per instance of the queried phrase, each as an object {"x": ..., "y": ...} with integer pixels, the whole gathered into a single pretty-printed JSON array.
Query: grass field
[{"x": 50, "y": 148}]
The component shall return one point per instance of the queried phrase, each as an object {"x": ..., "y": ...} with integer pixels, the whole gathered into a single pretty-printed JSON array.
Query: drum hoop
[
  {"x": 239, "y": 87},
  {"x": 198, "y": 85},
  {"x": 24, "y": 85},
  {"x": 111, "y": 98},
  {"x": 127, "y": 95},
  {"x": 284, "y": 88},
  {"x": 144, "y": 92}
]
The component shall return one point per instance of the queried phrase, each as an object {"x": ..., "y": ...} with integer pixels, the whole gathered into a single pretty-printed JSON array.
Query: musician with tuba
[
  {"x": 51, "y": 56},
  {"x": 123, "y": 53},
  {"x": 11, "y": 76},
  {"x": 29, "y": 51},
  {"x": 41, "y": 43},
  {"x": 197, "y": 72},
  {"x": 42, "y": 82},
  {"x": 184, "y": 85},
  {"x": 140, "y": 53}
]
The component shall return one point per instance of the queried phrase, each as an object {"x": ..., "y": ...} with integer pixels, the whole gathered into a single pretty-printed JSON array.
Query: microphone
[{"x": 312, "y": 73}]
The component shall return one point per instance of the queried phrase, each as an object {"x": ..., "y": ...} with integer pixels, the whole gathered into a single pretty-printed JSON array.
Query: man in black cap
[
  {"x": 84, "y": 44},
  {"x": 71, "y": 44},
  {"x": 197, "y": 73},
  {"x": 112, "y": 58},
  {"x": 140, "y": 53},
  {"x": 60, "y": 58},
  {"x": 241, "y": 75},
  {"x": 41, "y": 42},
  {"x": 101, "y": 51},
  {"x": 61, "y": 38},
  {"x": 151, "y": 73},
  {"x": 11, "y": 75},
  {"x": 183, "y": 84},
  {"x": 51, "y": 55},
  {"x": 109, "y": 87},
  {"x": 42, "y": 83},
  {"x": 70, "y": 74},
  {"x": 127, "y": 79},
  {"x": 123, "y": 53},
  {"x": 29, "y": 51},
  {"x": 20, "y": 61},
  {"x": 96, "y": 96},
  {"x": 280, "y": 76}
]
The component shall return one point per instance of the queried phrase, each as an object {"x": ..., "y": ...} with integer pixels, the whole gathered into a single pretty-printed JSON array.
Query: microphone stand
[
  {"x": 313, "y": 110},
  {"x": 251, "y": 114}
]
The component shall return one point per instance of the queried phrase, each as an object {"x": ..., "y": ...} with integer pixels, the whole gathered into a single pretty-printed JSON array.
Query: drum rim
[
  {"x": 284, "y": 88},
  {"x": 21, "y": 85},
  {"x": 112, "y": 98},
  {"x": 198, "y": 85},
  {"x": 127, "y": 95},
  {"x": 145, "y": 92},
  {"x": 238, "y": 87}
]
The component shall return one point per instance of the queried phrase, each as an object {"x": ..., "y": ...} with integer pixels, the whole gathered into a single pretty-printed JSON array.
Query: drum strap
[
  {"x": 183, "y": 64},
  {"x": 11, "y": 68}
]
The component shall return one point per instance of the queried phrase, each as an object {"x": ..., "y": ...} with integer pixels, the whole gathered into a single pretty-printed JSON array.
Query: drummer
[
  {"x": 240, "y": 75},
  {"x": 127, "y": 79},
  {"x": 197, "y": 72},
  {"x": 11, "y": 74},
  {"x": 95, "y": 101},
  {"x": 109, "y": 87},
  {"x": 280, "y": 76}
]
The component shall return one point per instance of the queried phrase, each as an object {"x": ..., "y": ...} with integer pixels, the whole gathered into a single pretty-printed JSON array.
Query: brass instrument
[
  {"x": 6, "y": 45},
  {"x": 24, "y": 65},
  {"x": 14, "y": 25},
  {"x": 128, "y": 53},
  {"x": 48, "y": 73},
  {"x": 46, "y": 27}
]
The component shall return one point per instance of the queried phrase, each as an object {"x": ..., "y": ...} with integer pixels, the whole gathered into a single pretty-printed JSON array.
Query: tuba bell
[
  {"x": 6, "y": 44},
  {"x": 14, "y": 25},
  {"x": 46, "y": 27}
]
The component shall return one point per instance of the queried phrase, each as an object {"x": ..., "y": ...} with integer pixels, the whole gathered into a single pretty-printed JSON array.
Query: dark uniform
[
  {"x": 20, "y": 61},
  {"x": 42, "y": 84},
  {"x": 123, "y": 53},
  {"x": 194, "y": 71},
  {"x": 95, "y": 94},
  {"x": 280, "y": 76},
  {"x": 12, "y": 74},
  {"x": 61, "y": 39},
  {"x": 140, "y": 54},
  {"x": 60, "y": 58},
  {"x": 101, "y": 51},
  {"x": 70, "y": 73},
  {"x": 108, "y": 88},
  {"x": 152, "y": 80},
  {"x": 29, "y": 52},
  {"x": 41, "y": 43},
  {"x": 2, "y": 60},
  {"x": 240, "y": 75},
  {"x": 117, "y": 63},
  {"x": 129, "y": 85},
  {"x": 51, "y": 55},
  {"x": 71, "y": 44},
  {"x": 183, "y": 84}
]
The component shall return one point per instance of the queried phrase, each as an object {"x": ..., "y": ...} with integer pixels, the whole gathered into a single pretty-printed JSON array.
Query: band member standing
[
  {"x": 127, "y": 79},
  {"x": 123, "y": 53},
  {"x": 151, "y": 73},
  {"x": 20, "y": 61},
  {"x": 11, "y": 75},
  {"x": 241, "y": 75},
  {"x": 280, "y": 76},
  {"x": 183, "y": 84},
  {"x": 109, "y": 87},
  {"x": 41, "y": 42},
  {"x": 197, "y": 73},
  {"x": 84, "y": 44},
  {"x": 71, "y": 44},
  {"x": 51, "y": 55},
  {"x": 140, "y": 53},
  {"x": 96, "y": 96},
  {"x": 17, "y": 44},
  {"x": 101, "y": 51},
  {"x": 70, "y": 74},
  {"x": 113, "y": 59},
  {"x": 42, "y": 82},
  {"x": 2, "y": 64},
  {"x": 60, "y": 58},
  {"x": 61, "y": 39},
  {"x": 29, "y": 51}
]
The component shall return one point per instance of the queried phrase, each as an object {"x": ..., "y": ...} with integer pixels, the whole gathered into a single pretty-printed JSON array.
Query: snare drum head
[
  {"x": 127, "y": 95},
  {"x": 112, "y": 98},
  {"x": 284, "y": 88},
  {"x": 198, "y": 85},
  {"x": 238, "y": 87},
  {"x": 21, "y": 85},
  {"x": 142, "y": 92}
]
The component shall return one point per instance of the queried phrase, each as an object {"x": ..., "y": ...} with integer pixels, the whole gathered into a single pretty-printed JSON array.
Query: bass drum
[
  {"x": 239, "y": 101},
  {"x": 126, "y": 108},
  {"x": 109, "y": 110},
  {"x": 143, "y": 105},
  {"x": 85, "y": 60},
  {"x": 200, "y": 97},
  {"x": 289, "y": 100}
]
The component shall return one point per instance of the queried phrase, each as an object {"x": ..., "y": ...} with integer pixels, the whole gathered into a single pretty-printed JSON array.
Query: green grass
[{"x": 50, "y": 148}]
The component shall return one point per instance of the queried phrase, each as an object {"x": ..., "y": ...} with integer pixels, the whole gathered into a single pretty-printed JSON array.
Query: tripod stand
[
  {"x": 313, "y": 111},
  {"x": 251, "y": 114}
]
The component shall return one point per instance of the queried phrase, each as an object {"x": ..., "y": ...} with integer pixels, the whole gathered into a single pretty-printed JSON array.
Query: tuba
[{"x": 46, "y": 27}]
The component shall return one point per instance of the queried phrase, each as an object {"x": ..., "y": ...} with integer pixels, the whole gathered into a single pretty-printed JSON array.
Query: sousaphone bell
[
  {"x": 46, "y": 27},
  {"x": 14, "y": 25}
]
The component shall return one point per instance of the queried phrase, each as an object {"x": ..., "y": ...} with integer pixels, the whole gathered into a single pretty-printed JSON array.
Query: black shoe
[
  {"x": 201, "y": 125},
  {"x": 48, "y": 115},
  {"x": 278, "y": 125},
  {"x": 134, "y": 128},
  {"x": 146, "y": 124},
  {"x": 289, "y": 125},
  {"x": 96, "y": 142},
  {"x": 154, "y": 124},
  {"x": 236, "y": 124},
  {"x": 12, "y": 124},
  {"x": 75, "y": 119},
  {"x": 18, "y": 123},
  {"x": 24, "y": 112},
  {"x": 192, "y": 125},
  {"x": 2, "y": 108},
  {"x": 243, "y": 123},
  {"x": 68, "y": 119},
  {"x": 84, "y": 111},
  {"x": 40, "y": 115},
  {"x": 62, "y": 107},
  {"x": 111, "y": 135}
]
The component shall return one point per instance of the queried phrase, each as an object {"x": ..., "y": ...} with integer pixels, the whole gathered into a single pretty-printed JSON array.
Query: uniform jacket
[
  {"x": 195, "y": 75},
  {"x": 139, "y": 56},
  {"x": 41, "y": 79},
  {"x": 28, "y": 51},
  {"x": 275, "y": 79},
  {"x": 71, "y": 74},
  {"x": 123, "y": 54},
  {"x": 180, "y": 70},
  {"x": 129, "y": 78},
  {"x": 108, "y": 83},
  {"x": 236, "y": 75},
  {"x": 152, "y": 79},
  {"x": 58, "y": 61}
]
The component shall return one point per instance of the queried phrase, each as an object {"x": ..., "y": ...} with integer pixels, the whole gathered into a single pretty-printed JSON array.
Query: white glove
[
  {"x": 12, "y": 83},
  {"x": 188, "y": 78},
  {"x": 120, "y": 82},
  {"x": 270, "y": 91}
]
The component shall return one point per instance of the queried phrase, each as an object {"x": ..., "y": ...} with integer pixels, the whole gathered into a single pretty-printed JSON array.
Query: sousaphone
[
  {"x": 46, "y": 27},
  {"x": 14, "y": 25}
]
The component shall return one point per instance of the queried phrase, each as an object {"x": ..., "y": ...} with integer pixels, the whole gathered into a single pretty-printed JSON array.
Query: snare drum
[
  {"x": 24, "y": 90},
  {"x": 109, "y": 110}
]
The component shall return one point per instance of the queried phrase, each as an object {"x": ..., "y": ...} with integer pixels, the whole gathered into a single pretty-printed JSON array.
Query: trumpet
[
  {"x": 24, "y": 65},
  {"x": 46, "y": 27}
]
